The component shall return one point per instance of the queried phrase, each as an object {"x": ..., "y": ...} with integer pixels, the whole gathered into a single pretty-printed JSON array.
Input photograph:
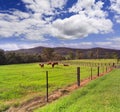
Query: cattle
[
  {"x": 49, "y": 63},
  {"x": 65, "y": 65},
  {"x": 41, "y": 65},
  {"x": 54, "y": 63}
]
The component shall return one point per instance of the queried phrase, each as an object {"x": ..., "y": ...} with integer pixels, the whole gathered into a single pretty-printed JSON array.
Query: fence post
[
  {"x": 106, "y": 68},
  {"x": 91, "y": 73},
  {"x": 78, "y": 76},
  {"x": 103, "y": 68},
  {"x": 47, "y": 86},
  {"x": 113, "y": 65},
  {"x": 98, "y": 71}
]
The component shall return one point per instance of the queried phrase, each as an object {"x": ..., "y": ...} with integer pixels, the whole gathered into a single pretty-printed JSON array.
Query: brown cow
[
  {"x": 65, "y": 65},
  {"x": 54, "y": 63},
  {"x": 42, "y": 65},
  {"x": 49, "y": 63}
]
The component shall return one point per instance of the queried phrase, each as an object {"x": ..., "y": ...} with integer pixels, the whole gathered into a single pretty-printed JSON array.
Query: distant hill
[
  {"x": 100, "y": 52},
  {"x": 44, "y": 54}
]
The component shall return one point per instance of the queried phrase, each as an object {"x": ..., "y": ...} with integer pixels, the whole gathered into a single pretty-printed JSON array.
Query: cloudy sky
[{"x": 59, "y": 23}]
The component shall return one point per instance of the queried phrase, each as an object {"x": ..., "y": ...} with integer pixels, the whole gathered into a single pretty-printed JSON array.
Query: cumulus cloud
[
  {"x": 28, "y": 24},
  {"x": 79, "y": 26},
  {"x": 16, "y": 46},
  {"x": 115, "y": 7},
  {"x": 88, "y": 18},
  {"x": 9, "y": 46},
  {"x": 115, "y": 39},
  {"x": 77, "y": 45},
  {"x": 44, "y": 6},
  {"x": 103, "y": 43},
  {"x": 89, "y": 8},
  {"x": 113, "y": 42}
]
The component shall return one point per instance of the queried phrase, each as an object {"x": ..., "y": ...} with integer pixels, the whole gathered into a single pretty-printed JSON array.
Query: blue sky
[{"x": 59, "y": 23}]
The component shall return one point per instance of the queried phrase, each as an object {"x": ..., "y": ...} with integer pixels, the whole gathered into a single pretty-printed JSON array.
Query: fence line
[{"x": 109, "y": 67}]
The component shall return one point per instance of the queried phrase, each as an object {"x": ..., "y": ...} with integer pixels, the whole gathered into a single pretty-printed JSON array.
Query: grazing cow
[
  {"x": 65, "y": 65},
  {"x": 54, "y": 63},
  {"x": 42, "y": 65},
  {"x": 49, "y": 63}
]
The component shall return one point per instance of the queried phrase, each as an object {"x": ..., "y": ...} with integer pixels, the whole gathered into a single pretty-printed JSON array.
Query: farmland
[
  {"x": 21, "y": 82},
  {"x": 100, "y": 95}
]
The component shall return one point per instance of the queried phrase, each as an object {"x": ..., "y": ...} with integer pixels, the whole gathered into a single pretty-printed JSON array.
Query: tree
[
  {"x": 82, "y": 55},
  {"x": 106, "y": 55},
  {"x": 97, "y": 54},
  {"x": 2, "y": 57},
  {"x": 47, "y": 54},
  {"x": 115, "y": 55},
  {"x": 11, "y": 58},
  {"x": 57, "y": 57},
  {"x": 77, "y": 55},
  {"x": 90, "y": 54},
  {"x": 71, "y": 55}
]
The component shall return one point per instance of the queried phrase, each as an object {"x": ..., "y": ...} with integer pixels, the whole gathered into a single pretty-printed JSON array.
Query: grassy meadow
[
  {"x": 100, "y": 95},
  {"x": 21, "y": 82}
]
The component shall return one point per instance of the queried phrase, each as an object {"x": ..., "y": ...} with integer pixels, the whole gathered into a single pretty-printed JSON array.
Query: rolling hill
[{"x": 101, "y": 52}]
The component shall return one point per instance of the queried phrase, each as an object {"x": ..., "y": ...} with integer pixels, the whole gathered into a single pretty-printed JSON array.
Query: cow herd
[{"x": 51, "y": 63}]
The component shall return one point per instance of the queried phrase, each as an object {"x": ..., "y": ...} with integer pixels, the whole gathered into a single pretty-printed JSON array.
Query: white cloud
[
  {"x": 89, "y": 18},
  {"x": 58, "y": 3},
  {"x": 15, "y": 46},
  {"x": 113, "y": 42},
  {"x": 114, "y": 39},
  {"x": 44, "y": 6},
  {"x": 79, "y": 26},
  {"x": 103, "y": 43},
  {"x": 117, "y": 17},
  {"x": 89, "y": 8},
  {"x": 31, "y": 26},
  {"x": 115, "y": 7},
  {"x": 77, "y": 45},
  {"x": 9, "y": 46}
]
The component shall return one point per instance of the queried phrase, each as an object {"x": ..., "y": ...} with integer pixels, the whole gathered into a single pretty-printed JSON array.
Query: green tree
[
  {"x": 57, "y": 56},
  {"x": 71, "y": 55},
  {"x": 115, "y": 55},
  {"x": 2, "y": 57},
  {"x": 47, "y": 54},
  {"x": 97, "y": 54},
  {"x": 90, "y": 55},
  {"x": 77, "y": 54},
  {"x": 81, "y": 55}
]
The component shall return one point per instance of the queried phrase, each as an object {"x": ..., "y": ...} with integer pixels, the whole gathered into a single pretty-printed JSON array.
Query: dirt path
[{"x": 32, "y": 104}]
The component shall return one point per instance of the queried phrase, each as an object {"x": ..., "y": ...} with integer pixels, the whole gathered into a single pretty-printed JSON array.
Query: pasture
[
  {"x": 21, "y": 82},
  {"x": 100, "y": 95}
]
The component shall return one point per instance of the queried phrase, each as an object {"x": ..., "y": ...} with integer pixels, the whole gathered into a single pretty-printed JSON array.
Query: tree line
[
  {"x": 48, "y": 54},
  {"x": 18, "y": 57}
]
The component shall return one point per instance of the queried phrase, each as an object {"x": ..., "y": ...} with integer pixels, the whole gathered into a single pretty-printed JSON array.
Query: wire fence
[{"x": 79, "y": 72}]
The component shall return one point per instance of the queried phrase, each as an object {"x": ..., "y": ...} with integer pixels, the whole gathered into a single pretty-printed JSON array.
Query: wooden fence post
[
  {"x": 47, "y": 86},
  {"x": 113, "y": 65},
  {"x": 106, "y": 68},
  {"x": 98, "y": 71},
  {"x": 103, "y": 68},
  {"x": 78, "y": 76},
  {"x": 91, "y": 73}
]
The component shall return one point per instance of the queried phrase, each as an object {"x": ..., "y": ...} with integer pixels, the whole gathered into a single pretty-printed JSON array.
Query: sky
[{"x": 59, "y": 23}]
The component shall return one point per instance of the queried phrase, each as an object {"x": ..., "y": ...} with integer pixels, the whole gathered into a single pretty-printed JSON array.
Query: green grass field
[
  {"x": 21, "y": 82},
  {"x": 100, "y": 95}
]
